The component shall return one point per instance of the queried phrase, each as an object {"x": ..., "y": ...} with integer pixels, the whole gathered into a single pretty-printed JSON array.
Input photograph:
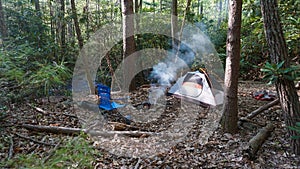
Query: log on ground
[{"x": 257, "y": 141}]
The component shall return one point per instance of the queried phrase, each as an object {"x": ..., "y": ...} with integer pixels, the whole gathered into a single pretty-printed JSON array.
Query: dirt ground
[{"x": 222, "y": 150}]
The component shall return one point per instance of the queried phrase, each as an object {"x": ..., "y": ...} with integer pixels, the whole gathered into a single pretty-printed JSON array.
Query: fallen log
[
  {"x": 257, "y": 141},
  {"x": 52, "y": 129},
  {"x": 76, "y": 131},
  {"x": 262, "y": 108},
  {"x": 140, "y": 134}
]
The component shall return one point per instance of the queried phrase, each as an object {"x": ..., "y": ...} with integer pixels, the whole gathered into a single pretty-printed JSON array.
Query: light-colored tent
[{"x": 196, "y": 88}]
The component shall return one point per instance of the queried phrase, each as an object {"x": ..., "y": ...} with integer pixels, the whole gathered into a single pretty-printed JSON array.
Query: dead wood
[
  {"x": 67, "y": 130},
  {"x": 257, "y": 141},
  {"x": 52, "y": 129},
  {"x": 11, "y": 148},
  {"x": 243, "y": 122},
  {"x": 52, "y": 152},
  {"x": 38, "y": 109},
  {"x": 33, "y": 140},
  {"x": 261, "y": 109},
  {"x": 121, "y": 126},
  {"x": 140, "y": 134}
]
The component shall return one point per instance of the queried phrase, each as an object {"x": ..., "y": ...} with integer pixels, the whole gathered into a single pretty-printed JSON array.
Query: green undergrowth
[{"x": 72, "y": 152}]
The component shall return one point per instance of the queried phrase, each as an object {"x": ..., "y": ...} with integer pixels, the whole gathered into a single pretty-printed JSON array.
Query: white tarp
[{"x": 194, "y": 87}]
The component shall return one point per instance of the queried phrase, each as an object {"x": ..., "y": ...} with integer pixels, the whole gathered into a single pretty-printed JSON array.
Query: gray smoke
[{"x": 194, "y": 45}]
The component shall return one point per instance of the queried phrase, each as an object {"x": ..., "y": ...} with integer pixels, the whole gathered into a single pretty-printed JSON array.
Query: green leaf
[
  {"x": 295, "y": 137},
  {"x": 279, "y": 65}
]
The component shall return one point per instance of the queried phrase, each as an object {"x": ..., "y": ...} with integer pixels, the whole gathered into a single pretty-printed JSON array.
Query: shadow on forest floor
[{"x": 20, "y": 147}]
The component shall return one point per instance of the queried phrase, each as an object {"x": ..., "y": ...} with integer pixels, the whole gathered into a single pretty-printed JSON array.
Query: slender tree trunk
[
  {"x": 52, "y": 27},
  {"x": 174, "y": 23},
  {"x": 37, "y": 5},
  {"x": 128, "y": 41},
  {"x": 278, "y": 52},
  {"x": 3, "y": 27},
  {"x": 230, "y": 106},
  {"x": 227, "y": 9},
  {"x": 160, "y": 6},
  {"x": 201, "y": 9},
  {"x": 70, "y": 27},
  {"x": 136, "y": 6},
  {"x": 80, "y": 43},
  {"x": 220, "y": 14},
  {"x": 63, "y": 28},
  {"x": 87, "y": 6},
  {"x": 137, "y": 20},
  {"x": 187, "y": 10},
  {"x": 51, "y": 20},
  {"x": 141, "y": 5},
  {"x": 76, "y": 24}
]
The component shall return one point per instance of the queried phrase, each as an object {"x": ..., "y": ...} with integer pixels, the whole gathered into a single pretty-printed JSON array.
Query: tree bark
[
  {"x": 76, "y": 24},
  {"x": 230, "y": 106},
  {"x": 87, "y": 6},
  {"x": 220, "y": 14},
  {"x": 278, "y": 52},
  {"x": 3, "y": 27},
  {"x": 128, "y": 42},
  {"x": 37, "y": 5},
  {"x": 174, "y": 23},
  {"x": 63, "y": 28}
]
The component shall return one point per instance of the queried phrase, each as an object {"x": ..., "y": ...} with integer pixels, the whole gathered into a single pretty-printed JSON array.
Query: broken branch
[
  {"x": 35, "y": 141},
  {"x": 261, "y": 109},
  {"x": 52, "y": 129},
  {"x": 67, "y": 130},
  {"x": 257, "y": 141}
]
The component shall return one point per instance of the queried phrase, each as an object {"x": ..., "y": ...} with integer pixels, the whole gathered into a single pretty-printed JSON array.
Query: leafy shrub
[
  {"x": 274, "y": 72},
  {"x": 74, "y": 153},
  {"x": 297, "y": 129}
]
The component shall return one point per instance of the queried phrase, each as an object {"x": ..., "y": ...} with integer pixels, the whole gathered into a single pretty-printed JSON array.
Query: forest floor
[{"x": 222, "y": 150}]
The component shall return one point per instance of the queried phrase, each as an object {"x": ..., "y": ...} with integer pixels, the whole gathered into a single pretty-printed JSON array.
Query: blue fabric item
[{"x": 105, "y": 99}]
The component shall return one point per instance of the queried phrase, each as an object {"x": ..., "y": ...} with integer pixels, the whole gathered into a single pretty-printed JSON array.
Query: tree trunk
[
  {"x": 278, "y": 52},
  {"x": 128, "y": 42},
  {"x": 63, "y": 28},
  {"x": 80, "y": 43},
  {"x": 230, "y": 106},
  {"x": 76, "y": 24},
  {"x": 220, "y": 14},
  {"x": 174, "y": 23},
  {"x": 87, "y": 6},
  {"x": 141, "y": 5},
  {"x": 37, "y": 5},
  {"x": 3, "y": 27}
]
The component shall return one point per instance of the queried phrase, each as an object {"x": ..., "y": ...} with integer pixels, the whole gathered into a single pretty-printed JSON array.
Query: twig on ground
[
  {"x": 46, "y": 112},
  {"x": 3, "y": 116},
  {"x": 52, "y": 129},
  {"x": 51, "y": 153},
  {"x": 38, "y": 109},
  {"x": 250, "y": 121},
  {"x": 11, "y": 148},
  {"x": 262, "y": 108},
  {"x": 33, "y": 140}
]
